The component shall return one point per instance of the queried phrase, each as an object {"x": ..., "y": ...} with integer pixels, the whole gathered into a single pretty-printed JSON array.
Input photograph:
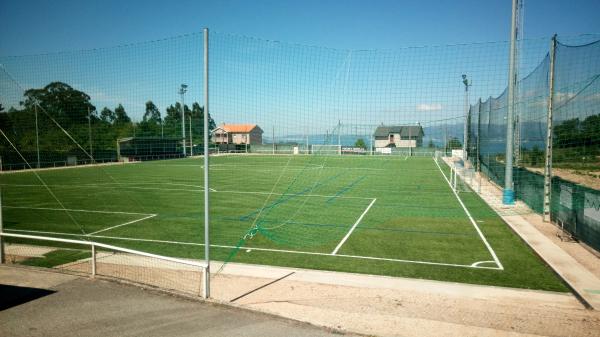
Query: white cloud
[{"x": 429, "y": 107}]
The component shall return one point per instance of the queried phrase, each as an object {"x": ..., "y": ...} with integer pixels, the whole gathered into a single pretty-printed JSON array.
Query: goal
[{"x": 326, "y": 150}]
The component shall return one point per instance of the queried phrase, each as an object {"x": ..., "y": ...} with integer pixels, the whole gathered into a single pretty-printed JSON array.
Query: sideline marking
[
  {"x": 487, "y": 244},
  {"x": 266, "y": 250},
  {"x": 337, "y": 248},
  {"x": 76, "y": 210}
]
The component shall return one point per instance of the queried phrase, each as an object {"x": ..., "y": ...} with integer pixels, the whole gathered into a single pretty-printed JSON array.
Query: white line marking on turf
[
  {"x": 337, "y": 248},
  {"x": 487, "y": 244},
  {"x": 481, "y": 262},
  {"x": 266, "y": 250},
  {"x": 121, "y": 225},
  {"x": 198, "y": 190},
  {"x": 76, "y": 210}
]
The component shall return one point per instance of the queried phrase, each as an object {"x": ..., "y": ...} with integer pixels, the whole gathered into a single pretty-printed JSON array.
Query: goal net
[{"x": 326, "y": 150}]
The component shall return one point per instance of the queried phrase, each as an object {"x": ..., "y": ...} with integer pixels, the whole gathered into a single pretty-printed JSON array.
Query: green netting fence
[{"x": 574, "y": 165}]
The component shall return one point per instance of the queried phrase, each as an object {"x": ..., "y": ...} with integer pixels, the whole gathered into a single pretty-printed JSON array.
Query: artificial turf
[{"x": 282, "y": 210}]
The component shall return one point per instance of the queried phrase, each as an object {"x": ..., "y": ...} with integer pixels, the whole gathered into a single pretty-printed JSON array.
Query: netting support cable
[
  {"x": 508, "y": 197},
  {"x": 206, "y": 282},
  {"x": 548, "y": 164}
]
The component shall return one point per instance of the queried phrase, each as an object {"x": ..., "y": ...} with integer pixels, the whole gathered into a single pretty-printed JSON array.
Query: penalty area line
[
  {"x": 474, "y": 266},
  {"x": 337, "y": 248},
  {"x": 123, "y": 224}
]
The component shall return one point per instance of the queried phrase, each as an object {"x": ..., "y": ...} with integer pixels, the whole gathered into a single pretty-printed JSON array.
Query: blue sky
[
  {"x": 288, "y": 86},
  {"x": 40, "y": 26}
]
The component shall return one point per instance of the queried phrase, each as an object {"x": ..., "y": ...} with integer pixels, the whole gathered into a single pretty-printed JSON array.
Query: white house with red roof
[{"x": 237, "y": 134}]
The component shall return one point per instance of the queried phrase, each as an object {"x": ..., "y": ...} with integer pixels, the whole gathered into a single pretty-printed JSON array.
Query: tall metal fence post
[
  {"x": 508, "y": 197},
  {"x": 478, "y": 144},
  {"x": 93, "y": 260},
  {"x": 2, "y": 256},
  {"x": 37, "y": 135},
  {"x": 548, "y": 164},
  {"x": 206, "y": 282}
]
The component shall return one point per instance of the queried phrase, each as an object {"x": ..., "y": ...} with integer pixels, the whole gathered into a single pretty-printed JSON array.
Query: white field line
[
  {"x": 77, "y": 210},
  {"x": 154, "y": 183},
  {"x": 337, "y": 248},
  {"x": 487, "y": 244},
  {"x": 121, "y": 225},
  {"x": 265, "y": 249},
  {"x": 188, "y": 190}
]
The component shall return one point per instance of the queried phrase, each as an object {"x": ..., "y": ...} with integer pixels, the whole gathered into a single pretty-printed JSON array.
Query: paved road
[{"x": 82, "y": 307}]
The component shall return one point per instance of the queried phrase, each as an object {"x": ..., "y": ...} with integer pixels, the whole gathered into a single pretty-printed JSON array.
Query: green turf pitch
[{"x": 380, "y": 215}]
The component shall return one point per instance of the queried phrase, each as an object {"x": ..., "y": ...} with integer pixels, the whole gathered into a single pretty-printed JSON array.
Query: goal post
[{"x": 326, "y": 150}]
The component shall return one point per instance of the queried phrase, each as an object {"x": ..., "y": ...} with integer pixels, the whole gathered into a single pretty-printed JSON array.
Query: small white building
[
  {"x": 238, "y": 134},
  {"x": 402, "y": 136}
]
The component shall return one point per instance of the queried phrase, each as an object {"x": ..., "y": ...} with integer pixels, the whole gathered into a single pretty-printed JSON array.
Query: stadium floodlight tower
[
  {"x": 467, "y": 84},
  {"x": 182, "y": 91}
]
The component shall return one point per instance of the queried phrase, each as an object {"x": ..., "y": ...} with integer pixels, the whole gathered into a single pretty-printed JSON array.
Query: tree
[
  {"x": 121, "y": 117},
  {"x": 431, "y": 145},
  {"x": 454, "y": 143},
  {"x": 152, "y": 114},
  {"x": 107, "y": 115},
  {"x": 68, "y": 106},
  {"x": 360, "y": 143}
]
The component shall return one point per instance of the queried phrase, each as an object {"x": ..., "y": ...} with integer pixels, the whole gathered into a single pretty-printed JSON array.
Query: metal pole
[
  {"x": 37, "y": 137},
  {"x": 191, "y": 142},
  {"x": 273, "y": 137},
  {"x": 478, "y": 144},
  {"x": 306, "y": 142},
  {"x": 1, "y": 231},
  {"x": 410, "y": 140},
  {"x": 340, "y": 133},
  {"x": 508, "y": 197},
  {"x": 206, "y": 181},
  {"x": 549, "y": 127},
  {"x": 118, "y": 151},
  {"x": 90, "y": 134},
  {"x": 182, "y": 93},
  {"x": 93, "y": 260},
  {"x": 466, "y": 121}
]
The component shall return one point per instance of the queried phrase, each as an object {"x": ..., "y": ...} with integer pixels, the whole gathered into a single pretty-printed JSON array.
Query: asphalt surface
[{"x": 39, "y": 303}]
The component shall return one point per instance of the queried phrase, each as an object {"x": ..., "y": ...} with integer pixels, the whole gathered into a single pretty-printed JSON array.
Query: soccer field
[{"x": 393, "y": 216}]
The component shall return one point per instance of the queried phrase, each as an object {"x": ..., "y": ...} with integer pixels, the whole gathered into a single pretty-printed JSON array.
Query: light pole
[
  {"x": 467, "y": 84},
  {"x": 182, "y": 92},
  {"x": 191, "y": 141}
]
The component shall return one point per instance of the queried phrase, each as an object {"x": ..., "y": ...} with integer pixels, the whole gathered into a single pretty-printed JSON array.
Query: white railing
[{"x": 201, "y": 266}]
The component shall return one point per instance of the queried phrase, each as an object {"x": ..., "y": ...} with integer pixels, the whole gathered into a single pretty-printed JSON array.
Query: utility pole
[
  {"x": 1, "y": 229},
  {"x": 549, "y": 130},
  {"x": 90, "y": 134},
  {"x": 37, "y": 136},
  {"x": 182, "y": 92},
  {"x": 206, "y": 181},
  {"x": 508, "y": 196},
  {"x": 466, "y": 126},
  {"x": 340, "y": 133},
  {"x": 191, "y": 142}
]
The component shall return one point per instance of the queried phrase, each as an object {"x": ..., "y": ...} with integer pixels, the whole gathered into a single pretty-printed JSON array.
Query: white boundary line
[
  {"x": 185, "y": 190},
  {"x": 487, "y": 244},
  {"x": 337, "y": 248},
  {"x": 148, "y": 215},
  {"x": 266, "y": 250},
  {"x": 76, "y": 210},
  {"x": 123, "y": 224}
]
